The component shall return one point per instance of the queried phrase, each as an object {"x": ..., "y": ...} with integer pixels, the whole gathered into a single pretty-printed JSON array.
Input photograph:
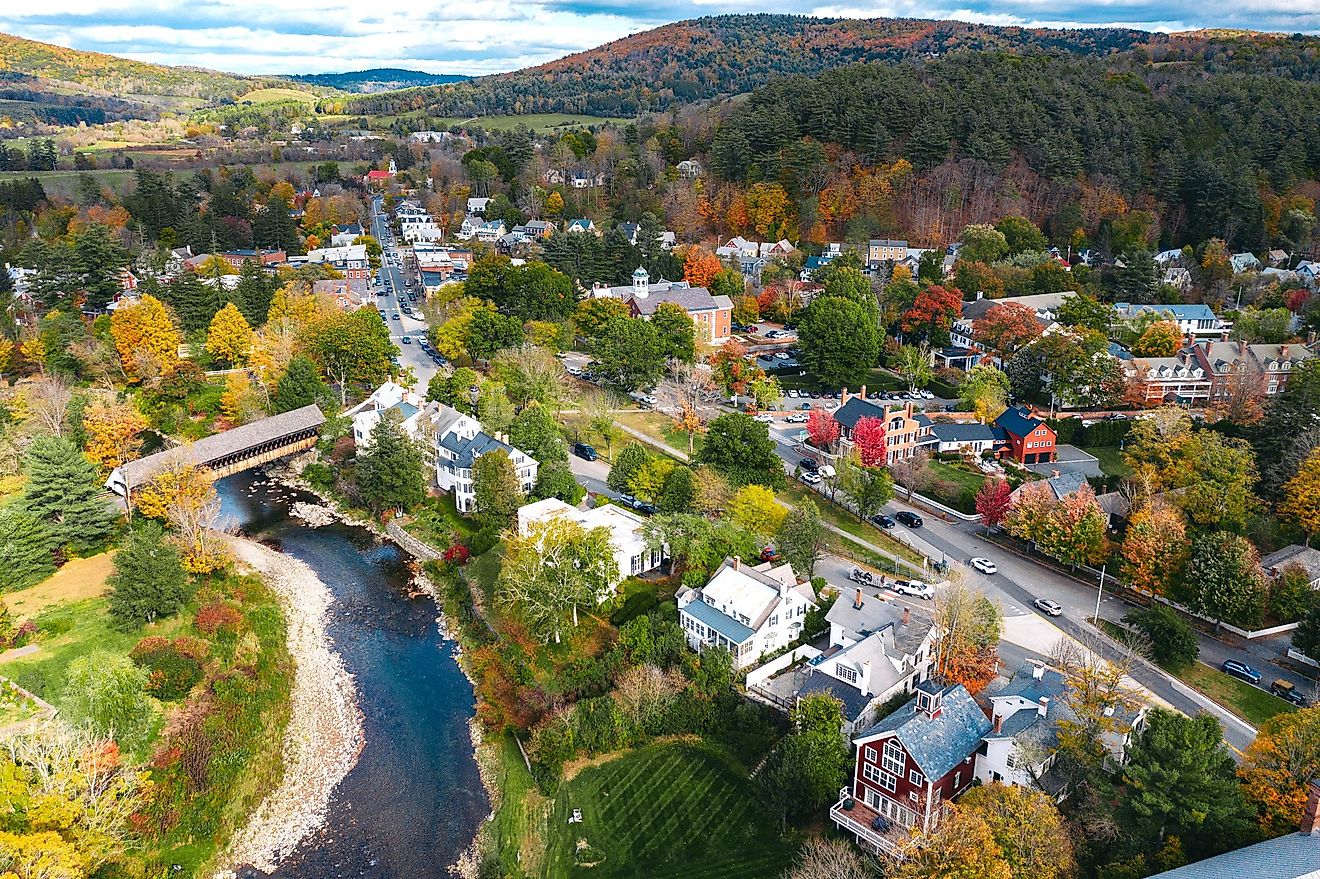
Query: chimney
[
  {"x": 1055, "y": 474},
  {"x": 1283, "y": 352},
  {"x": 999, "y": 724},
  {"x": 843, "y": 396},
  {"x": 864, "y": 680},
  {"x": 907, "y": 615},
  {"x": 1242, "y": 346},
  {"x": 1044, "y": 706},
  {"x": 1311, "y": 813},
  {"x": 1038, "y": 671},
  {"x": 784, "y": 586},
  {"x": 737, "y": 562},
  {"x": 862, "y": 392},
  {"x": 857, "y": 602}
]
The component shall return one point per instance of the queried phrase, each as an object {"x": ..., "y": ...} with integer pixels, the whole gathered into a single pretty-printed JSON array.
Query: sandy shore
[{"x": 324, "y": 735}]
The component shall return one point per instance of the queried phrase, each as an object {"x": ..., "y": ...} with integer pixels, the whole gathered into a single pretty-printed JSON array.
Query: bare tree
[
  {"x": 690, "y": 396},
  {"x": 1099, "y": 694},
  {"x": 643, "y": 692},
  {"x": 911, "y": 472},
  {"x": 49, "y": 400},
  {"x": 831, "y": 859},
  {"x": 200, "y": 530}
]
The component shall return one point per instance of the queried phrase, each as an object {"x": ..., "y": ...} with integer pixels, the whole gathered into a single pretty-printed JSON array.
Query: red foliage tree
[
  {"x": 822, "y": 429},
  {"x": 1006, "y": 328},
  {"x": 869, "y": 437},
  {"x": 700, "y": 267},
  {"x": 935, "y": 308},
  {"x": 1296, "y": 300},
  {"x": 993, "y": 501}
]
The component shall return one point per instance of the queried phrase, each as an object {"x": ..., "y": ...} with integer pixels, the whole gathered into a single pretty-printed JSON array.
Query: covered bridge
[{"x": 224, "y": 453}]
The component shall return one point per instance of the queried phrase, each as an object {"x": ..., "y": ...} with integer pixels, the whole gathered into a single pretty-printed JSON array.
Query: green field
[
  {"x": 1111, "y": 460},
  {"x": 541, "y": 122},
  {"x": 270, "y": 96},
  {"x": 66, "y": 182},
  {"x": 681, "y": 810},
  {"x": 966, "y": 484}
]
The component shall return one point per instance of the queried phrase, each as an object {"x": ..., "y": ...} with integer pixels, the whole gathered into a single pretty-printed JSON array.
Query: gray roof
[
  {"x": 1066, "y": 484},
  {"x": 1305, "y": 556},
  {"x": 878, "y": 615},
  {"x": 725, "y": 625},
  {"x": 939, "y": 743},
  {"x": 964, "y": 432},
  {"x": 687, "y": 298},
  {"x": 467, "y": 451},
  {"x": 854, "y": 701},
  {"x": 209, "y": 449},
  {"x": 1295, "y": 856}
]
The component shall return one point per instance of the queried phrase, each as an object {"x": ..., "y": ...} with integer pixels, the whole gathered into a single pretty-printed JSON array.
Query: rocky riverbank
[{"x": 324, "y": 735}]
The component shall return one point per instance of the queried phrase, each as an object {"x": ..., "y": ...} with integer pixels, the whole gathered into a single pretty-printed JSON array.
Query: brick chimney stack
[
  {"x": 999, "y": 724},
  {"x": 857, "y": 602},
  {"x": 737, "y": 562},
  {"x": 862, "y": 392},
  {"x": 1311, "y": 814},
  {"x": 1044, "y": 706},
  {"x": 907, "y": 615}
]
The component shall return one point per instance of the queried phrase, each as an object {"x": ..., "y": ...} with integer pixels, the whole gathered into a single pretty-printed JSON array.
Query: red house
[
  {"x": 1029, "y": 440},
  {"x": 909, "y": 764}
]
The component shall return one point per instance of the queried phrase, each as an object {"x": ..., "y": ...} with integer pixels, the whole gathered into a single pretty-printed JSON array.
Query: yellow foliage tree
[
  {"x": 1301, "y": 496},
  {"x": 284, "y": 189},
  {"x": 113, "y": 433},
  {"x": 34, "y": 350},
  {"x": 146, "y": 338},
  {"x": 6, "y": 353},
  {"x": 554, "y": 204},
  {"x": 754, "y": 507},
  {"x": 229, "y": 337},
  {"x": 240, "y": 402},
  {"x": 1279, "y": 764},
  {"x": 179, "y": 482},
  {"x": 292, "y": 306}
]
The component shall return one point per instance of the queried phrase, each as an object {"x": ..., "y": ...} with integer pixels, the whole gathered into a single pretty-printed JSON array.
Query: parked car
[
  {"x": 810, "y": 464},
  {"x": 764, "y": 418},
  {"x": 646, "y": 507},
  {"x": 1240, "y": 670},
  {"x": 407, "y": 340},
  {"x": 395, "y": 316},
  {"x": 1050, "y": 607},
  {"x": 985, "y": 566},
  {"x": 584, "y": 451},
  {"x": 1286, "y": 691},
  {"x": 883, "y": 521},
  {"x": 575, "y": 370},
  {"x": 915, "y": 588},
  {"x": 810, "y": 477},
  {"x": 797, "y": 419},
  {"x": 912, "y": 520},
  {"x": 805, "y": 406}
]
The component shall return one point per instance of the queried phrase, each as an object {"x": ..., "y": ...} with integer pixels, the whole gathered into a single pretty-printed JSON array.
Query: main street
[{"x": 395, "y": 299}]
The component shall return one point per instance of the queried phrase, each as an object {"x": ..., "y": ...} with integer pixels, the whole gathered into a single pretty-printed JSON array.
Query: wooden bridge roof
[{"x": 210, "y": 449}]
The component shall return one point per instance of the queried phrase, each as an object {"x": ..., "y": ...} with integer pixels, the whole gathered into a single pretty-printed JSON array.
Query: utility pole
[{"x": 1100, "y": 592}]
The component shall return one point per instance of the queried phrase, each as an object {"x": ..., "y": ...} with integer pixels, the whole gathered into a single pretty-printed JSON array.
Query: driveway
[{"x": 1070, "y": 459}]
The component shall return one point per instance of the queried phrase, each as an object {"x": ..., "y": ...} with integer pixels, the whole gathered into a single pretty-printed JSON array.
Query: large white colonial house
[
  {"x": 746, "y": 610},
  {"x": 627, "y": 532}
]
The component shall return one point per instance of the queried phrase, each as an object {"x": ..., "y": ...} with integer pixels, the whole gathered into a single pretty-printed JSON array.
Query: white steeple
[{"x": 641, "y": 283}]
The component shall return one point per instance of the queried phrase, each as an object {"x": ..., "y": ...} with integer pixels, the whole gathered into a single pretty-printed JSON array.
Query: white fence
[
  {"x": 1294, "y": 653},
  {"x": 758, "y": 676}
]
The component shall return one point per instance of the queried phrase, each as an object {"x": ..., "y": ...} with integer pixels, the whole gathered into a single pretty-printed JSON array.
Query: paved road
[{"x": 394, "y": 299}]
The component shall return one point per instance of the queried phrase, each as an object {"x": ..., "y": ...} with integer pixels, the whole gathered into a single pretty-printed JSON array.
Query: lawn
[
  {"x": 958, "y": 486},
  {"x": 539, "y": 122},
  {"x": 270, "y": 96},
  {"x": 518, "y": 824},
  {"x": 682, "y": 810},
  {"x": 436, "y": 522},
  {"x": 1111, "y": 460},
  {"x": 78, "y": 580},
  {"x": 1252, "y": 704},
  {"x": 796, "y": 494}
]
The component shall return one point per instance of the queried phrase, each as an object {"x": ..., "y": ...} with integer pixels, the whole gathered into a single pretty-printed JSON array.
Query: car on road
[
  {"x": 1053, "y": 608},
  {"x": 985, "y": 566},
  {"x": 912, "y": 520},
  {"x": 811, "y": 477},
  {"x": 797, "y": 419},
  {"x": 914, "y": 588},
  {"x": 764, "y": 418},
  {"x": 575, "y": 370},
  {"x": 1286, "y": 691},
  {"x": 395, "y": 316},
  {"x": 1240, "y": 670},
  {"x": 584, "y": 451},
  {"x": 883, "y": 521},
  {"x": 810, "y": 464},
  {"x": 407, "y": 340}
]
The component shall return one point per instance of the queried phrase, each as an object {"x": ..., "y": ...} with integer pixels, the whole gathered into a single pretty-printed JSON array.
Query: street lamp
[{"x": 1100, "y": 592}]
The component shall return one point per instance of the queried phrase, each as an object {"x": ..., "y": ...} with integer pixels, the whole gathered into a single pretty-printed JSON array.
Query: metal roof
[{"x": 725, "y": 625}]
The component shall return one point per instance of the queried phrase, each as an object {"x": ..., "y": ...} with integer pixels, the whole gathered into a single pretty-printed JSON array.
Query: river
[{"x": 414, "y": 800}]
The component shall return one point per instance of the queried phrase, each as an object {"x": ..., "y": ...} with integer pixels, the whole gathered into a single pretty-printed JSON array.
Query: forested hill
[
  {"x": 378, "y": 79},
  {"x": 1200, "y": 155},
  {"x": 733, "y": 54},
  {"x": 113, "y": 75}
]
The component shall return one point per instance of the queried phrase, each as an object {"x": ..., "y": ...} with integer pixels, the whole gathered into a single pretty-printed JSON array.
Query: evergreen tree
[
  {"x": 25, "y": 549},
  {"x": 274, "y": 228},
  {"x": 195, "y": 301},
  {"x": 389, "y": 470},
  {"x": 253, "y": 293},
  {"x": 300, "y": 386},
  {"x": 64, "y": 492},
  {"x": 149, "y": 581},
  {"x": 535, "y": 431}
]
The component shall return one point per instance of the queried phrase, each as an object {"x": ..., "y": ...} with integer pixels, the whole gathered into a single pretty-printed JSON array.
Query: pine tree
[
  {"x": 300, "y": 386},
  {"x": 389, "y": 470},
  {"x": 253, "y": 293},
  {"x": 149, "y": 581},
  {"x": 194, "y": 300},
  {"x": 25, "y": 549},
  {"x": 64, "y": 492}
]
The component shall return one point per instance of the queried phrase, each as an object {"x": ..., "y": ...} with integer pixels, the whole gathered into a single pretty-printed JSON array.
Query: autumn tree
[
  {"x": 553, "y": 570},
  {"x": 822, "y": 430},
  {"x": 146, "y": 338},
  {"x": 1006, "y": 327},
  {"x": 994, "y": 499},
  {"x": 969, "y": 643},
  {"x": 911, "y": 472},
  {"x": 984, "y": 390},
  {"x": 1155, "y": 548},
  {"x": 1301, "y": 496},
  {"x": 1224, "y": 580},
  {"x": 754, "y": 508},
  {"x": 962, "y": 845},
  {"x": 915, "y": 364},
  {"x": 1074, "y": 531},
  {"x": 230, "y": 337},
  {"x": 112, "y": 430},
  {"x": 868, "y": 436},
  {"x": 868, "y": 488},
  {"x": 932, "y": 314},
  {"x": 177, "y": 479},
  {"x": 700, "y": 267},
  {"x": 1160, "y": 339},
  {"x": 1027, "y": 828},
  {"x": 1098, "y": 697},
  {"x": 1278, "y": 768}
]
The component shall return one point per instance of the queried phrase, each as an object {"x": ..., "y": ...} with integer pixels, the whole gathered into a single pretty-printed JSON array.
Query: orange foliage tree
[
  {"x": 113, "y": 431},
  {"x": 700, "y": 267},
  {"x": 1281, "y": 761}
]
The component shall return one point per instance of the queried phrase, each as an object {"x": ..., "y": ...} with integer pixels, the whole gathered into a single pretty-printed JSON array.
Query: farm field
[
  {"x": 66, "y": 182},
  {"x": 541, "y": 122},
  {"x": 683, "y": 810},
  {"x": 269, "y": 96}
]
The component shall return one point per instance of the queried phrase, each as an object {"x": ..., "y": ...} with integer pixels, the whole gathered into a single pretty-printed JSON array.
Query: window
[
  {"x": 871, "y": 772},
  {"x": 774, "y": 620},
  {"x": 957, "y": 779},
  {"x": 870, "y": 753},
  {"x": 1011, "y": 762},
  {"x": 912, "y": 795},
  {"x": 893, "y": 757},
  {"x": 845, "y": 674},
  {"x": 888, "y": 782},
  {"x": 914, "y": 776}
]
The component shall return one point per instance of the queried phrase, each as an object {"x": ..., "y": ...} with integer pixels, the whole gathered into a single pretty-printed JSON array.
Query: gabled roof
[
  {"x": 1018, "y": 422},
  {"x": 939, "y": 743},
  {"x": 722, "y": 623},
  {"x": 1295, "y": 856},
  {"x": 856, "y": 409},
  {"x": 965, "y": 432},
  {"x": 1305, "y": 556},
  {"x": 879, "y": 615}
]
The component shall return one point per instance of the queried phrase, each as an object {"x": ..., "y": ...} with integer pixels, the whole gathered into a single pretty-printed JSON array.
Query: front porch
[{"x": 874, "y": 832}]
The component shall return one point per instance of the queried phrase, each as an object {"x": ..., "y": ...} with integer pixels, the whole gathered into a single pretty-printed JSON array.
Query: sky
[{"x": 443, "y": 36}]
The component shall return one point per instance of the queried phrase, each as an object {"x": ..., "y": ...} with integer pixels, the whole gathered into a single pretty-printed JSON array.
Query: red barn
[
  {"x": 909, "y": 764},
  {"x": 1030, "y": 440}
]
